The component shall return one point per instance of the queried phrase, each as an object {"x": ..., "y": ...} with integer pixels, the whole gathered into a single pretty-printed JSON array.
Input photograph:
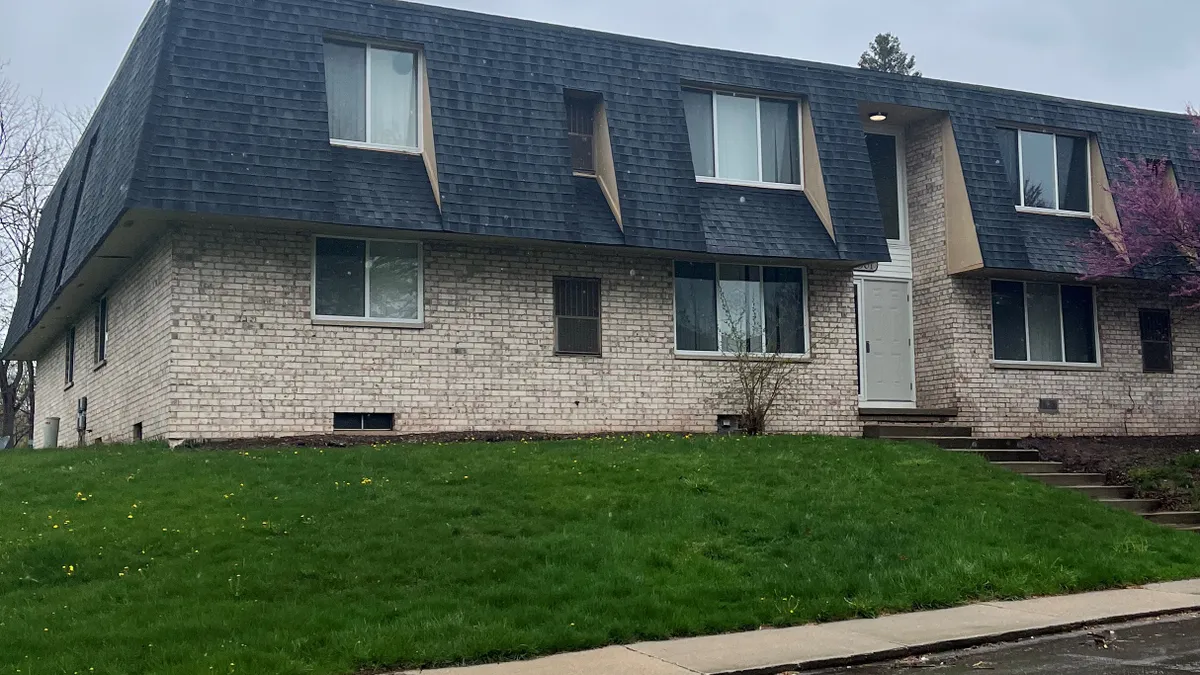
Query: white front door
[{"x": 885, "y": 342}]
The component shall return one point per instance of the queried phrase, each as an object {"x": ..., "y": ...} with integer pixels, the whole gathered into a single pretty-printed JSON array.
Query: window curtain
[
  {"x": 1073, "y": 173},
  {"x": 346, "y": 91},
  {"x": 783, "y": 304},
  {"x": 780, "y": 142},
  {"x": 1010, "y": 158},
  {"x": 737, "y": 137},
  {"x": 1045, "y": 323},
  {"x": 395, "y": 274},
  {"x": 393, "y": 98},
  {"x": 1008, "y": 321},
  {"x": 696, "y": 307},
  {"x": 698, "y": 108},
  {"x": 740, "y": 308}
]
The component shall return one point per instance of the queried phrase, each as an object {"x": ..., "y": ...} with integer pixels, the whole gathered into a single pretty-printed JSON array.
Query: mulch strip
[
  {"x": 359, "y": 440},
  {"x": 1113, "y": 456}
]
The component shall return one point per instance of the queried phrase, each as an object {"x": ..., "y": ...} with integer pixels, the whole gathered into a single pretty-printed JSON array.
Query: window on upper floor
[
  {"x": 883, "y": 150},
  {"x": 581, "y": 129},
  {"x": 1155, "y": 328},
  {"x": 367, "y": 279},
  {"x": 741, "y": 138},
  {"x": 1043, "y": 323},
  {"x": 69, "y": 366},
  {"x": 1049, "y": 172},
  {"x": 732, "y": 309},
  {"x": 100, "y": 349},
  {"x": 372, "y": 96}
]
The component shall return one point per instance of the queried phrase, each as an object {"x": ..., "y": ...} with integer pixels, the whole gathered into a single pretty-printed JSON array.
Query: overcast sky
[{"x": 1141, "y": 53}]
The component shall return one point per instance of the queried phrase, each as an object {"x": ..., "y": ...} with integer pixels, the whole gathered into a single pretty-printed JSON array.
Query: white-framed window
[
  {"x": 1047, "y": 172},
  {"x": 1044, "y": 323},
  {"x": 367, "y": 279},
  {"x": 885, "y": 149},
  {"x": 744, "y": 139},
  {"x": 69, "y": 369},
  {"x": 731, "y": 309},
  {"x": 373, "y": 96},
  {"x": 100, "y": 343}
]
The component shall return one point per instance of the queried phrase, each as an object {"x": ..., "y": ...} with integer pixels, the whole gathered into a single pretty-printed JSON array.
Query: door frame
[{"x": 860, "y": 300}]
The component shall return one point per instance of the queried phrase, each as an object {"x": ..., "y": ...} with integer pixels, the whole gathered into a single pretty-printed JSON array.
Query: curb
[{"x": 955, "y": 644}]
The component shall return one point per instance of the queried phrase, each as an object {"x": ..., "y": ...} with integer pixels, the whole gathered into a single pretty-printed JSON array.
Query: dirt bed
[{"x": 1116, "y": 457}]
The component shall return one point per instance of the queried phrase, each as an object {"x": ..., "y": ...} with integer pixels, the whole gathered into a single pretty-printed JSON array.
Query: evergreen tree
[{"x": 886, "y": 56}]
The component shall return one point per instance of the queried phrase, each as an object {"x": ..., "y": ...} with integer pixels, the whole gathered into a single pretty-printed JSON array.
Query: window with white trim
[
  {"x": 100, "y": 339},
  {"x": 1044, "y": 323},
  {"x": 372, "y": 96},
  {"x": 1047, "y": 171},
  {"x": 743, "y": 138},
  {"x": 368, "y": 279},
  {"x": 69, "y": 370},
  {"x": 730, "y": 309}
]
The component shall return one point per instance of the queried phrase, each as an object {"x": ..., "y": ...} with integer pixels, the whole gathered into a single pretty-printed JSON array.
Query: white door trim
[{"x": 860, "y": 297}]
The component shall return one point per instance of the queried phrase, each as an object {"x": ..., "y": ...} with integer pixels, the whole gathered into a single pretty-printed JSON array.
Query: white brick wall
[
  {"x": 954, "y": 343},
  {"x": 250, "y": 362},
  {"x": 132, "y": 386}
]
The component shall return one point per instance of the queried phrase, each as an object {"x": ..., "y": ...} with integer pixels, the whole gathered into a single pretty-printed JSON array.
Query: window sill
[
  {"x": 356, "y": 145},
  {"x": 749, "y": 183},
  {"x": 1067, "y": 367},
  {"x": 369, "y": 323},
  {"x": 717, "y": 356},
  {"x": 1053, "y": 212},
  {"x": 100, "y": 365},
  {"x": 569, "y": 355},
  {"x": 583, "y": 174}
]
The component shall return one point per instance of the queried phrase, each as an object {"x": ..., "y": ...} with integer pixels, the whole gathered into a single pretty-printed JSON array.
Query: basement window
[
  {"x": 367, "y": 279},
  {"x": 1042, "y": 323},
  {"x": 372, "y": 96},
  {"x": 1047, "y": 172},
  {"x": 1155, "y": 328},
  {"x": 357, "y": 421}
]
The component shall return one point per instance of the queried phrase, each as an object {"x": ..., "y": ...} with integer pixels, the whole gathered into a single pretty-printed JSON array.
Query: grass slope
[{"x": 143, "y": 560}]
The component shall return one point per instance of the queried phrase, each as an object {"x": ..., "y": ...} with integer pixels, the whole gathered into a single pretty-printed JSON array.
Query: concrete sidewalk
[{"x": 862, "y": 640}]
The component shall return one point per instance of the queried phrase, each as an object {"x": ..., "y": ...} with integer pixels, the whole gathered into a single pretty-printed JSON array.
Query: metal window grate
[
  {"x": 577, "y": 316},
  {"x": 581, "y": 124},
  {"x": 359, "y": 421}
]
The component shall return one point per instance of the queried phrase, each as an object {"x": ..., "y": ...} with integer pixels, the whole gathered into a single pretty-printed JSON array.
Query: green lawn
[{"x": 144, "y": 560}]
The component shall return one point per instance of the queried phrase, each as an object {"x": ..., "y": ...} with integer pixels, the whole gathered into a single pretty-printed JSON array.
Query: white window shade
[{"x": 737, "y": 138}]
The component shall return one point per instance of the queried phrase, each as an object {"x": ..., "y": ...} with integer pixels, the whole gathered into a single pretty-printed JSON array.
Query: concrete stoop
[{"x": 1004, "y": 452}]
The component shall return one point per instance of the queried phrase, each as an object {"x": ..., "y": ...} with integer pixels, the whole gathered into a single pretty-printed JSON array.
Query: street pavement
[{"x": 1165, "y": 646}]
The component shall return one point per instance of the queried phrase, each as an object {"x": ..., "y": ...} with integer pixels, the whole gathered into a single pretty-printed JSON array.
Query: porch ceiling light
[{"x": 878, "y": 117}]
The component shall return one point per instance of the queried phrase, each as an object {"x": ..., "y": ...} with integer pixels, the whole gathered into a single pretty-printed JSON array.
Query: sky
[{"x": 1141, "y": 53}]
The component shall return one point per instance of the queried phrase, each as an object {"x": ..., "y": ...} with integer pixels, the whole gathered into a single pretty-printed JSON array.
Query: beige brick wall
[
  {"x": 953, "y": 343},
  {"x": 250, "y": 362},
  {"x": 132, "y": 385}
]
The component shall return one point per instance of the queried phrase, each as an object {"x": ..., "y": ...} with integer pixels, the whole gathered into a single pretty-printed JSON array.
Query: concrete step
[
  {"x": 1183, "y": 527},
  {"x": 1032, "y": 467},
  {"x": 1142, "y": 506},
  {"x": 1000, "y": 455},
  {"x": 1184, "y": 518},
  {"x": 914, "y": 431},
  {"x": 1068, "y": 479},
  {"x": 1103, "y": 491},
  {"x": 965, "y": 443}
]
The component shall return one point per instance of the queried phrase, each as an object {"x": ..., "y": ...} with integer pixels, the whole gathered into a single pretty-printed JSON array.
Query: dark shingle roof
[{"x": 219, "y": 108}]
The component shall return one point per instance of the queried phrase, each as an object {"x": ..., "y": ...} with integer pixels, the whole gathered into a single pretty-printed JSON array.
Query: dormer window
[
  {"x": 581, "y": 127},
  {"x": 372, "y": 96},
  {"x": 1047, "y": 172},
  {"x": 743, "y": 139}
]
